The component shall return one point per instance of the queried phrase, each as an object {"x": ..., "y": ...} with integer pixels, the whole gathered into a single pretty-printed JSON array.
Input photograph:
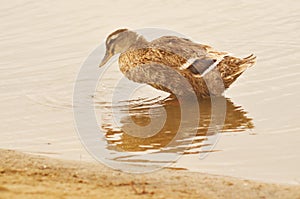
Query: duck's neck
[{"x": 136, "y": 39}]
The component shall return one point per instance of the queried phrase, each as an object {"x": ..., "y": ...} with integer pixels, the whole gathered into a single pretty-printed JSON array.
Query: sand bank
[{"x": 29, "y": 176}]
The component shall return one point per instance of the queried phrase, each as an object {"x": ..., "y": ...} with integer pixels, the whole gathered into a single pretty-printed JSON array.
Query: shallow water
[{"x": 44, "y": 43}]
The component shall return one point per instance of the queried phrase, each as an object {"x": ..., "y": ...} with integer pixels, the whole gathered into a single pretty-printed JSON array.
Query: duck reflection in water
[{"x": 129, "y": 135}]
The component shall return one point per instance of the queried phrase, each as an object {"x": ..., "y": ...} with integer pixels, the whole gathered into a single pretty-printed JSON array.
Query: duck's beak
[{"x": 105, "y": 59}]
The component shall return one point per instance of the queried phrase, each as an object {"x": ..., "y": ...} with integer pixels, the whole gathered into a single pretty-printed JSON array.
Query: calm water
[{"x": 44, "y": 43}]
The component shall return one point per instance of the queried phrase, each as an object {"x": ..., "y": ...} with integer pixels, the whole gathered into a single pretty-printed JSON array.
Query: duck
[{"x": 174, "y": 64}]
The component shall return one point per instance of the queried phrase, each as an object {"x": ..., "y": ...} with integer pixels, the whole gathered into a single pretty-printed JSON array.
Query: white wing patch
[
  {"x": 215, "y": 64},
  {"x": 188, "y": 63},
  {"x": 211, "y": 67}
]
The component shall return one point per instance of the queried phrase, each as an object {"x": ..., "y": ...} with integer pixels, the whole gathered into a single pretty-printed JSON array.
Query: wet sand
[{"x": 31, "y": 176}]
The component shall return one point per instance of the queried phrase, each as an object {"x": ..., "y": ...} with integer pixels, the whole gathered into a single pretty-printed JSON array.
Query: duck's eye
[
  {"x": 111, "y": 42},
  {"x": 111, "y": 39}
]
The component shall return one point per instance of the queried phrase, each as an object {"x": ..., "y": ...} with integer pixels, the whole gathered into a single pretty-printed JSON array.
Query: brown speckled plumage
[{"x": 164, "y": 64}]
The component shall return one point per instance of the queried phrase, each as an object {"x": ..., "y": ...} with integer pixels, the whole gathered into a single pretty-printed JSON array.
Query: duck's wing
[
  {"x": 180, "y": 46},
  {"x": 200, "y": 59}
]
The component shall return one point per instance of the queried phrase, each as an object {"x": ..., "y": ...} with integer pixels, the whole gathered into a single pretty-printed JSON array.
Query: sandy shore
[{"x": 29, "y": 176}]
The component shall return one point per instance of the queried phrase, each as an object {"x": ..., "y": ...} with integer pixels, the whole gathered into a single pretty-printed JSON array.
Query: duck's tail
[
  {"x": 234, "y": 67},
  {"x": 246, "y": 63}
]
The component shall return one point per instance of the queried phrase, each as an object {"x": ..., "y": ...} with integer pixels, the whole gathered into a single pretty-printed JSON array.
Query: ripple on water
[{"x": 117, "y": 120}]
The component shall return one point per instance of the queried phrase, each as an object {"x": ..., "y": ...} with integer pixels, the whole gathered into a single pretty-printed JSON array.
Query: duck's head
[{"x": 118, "y": 42}]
